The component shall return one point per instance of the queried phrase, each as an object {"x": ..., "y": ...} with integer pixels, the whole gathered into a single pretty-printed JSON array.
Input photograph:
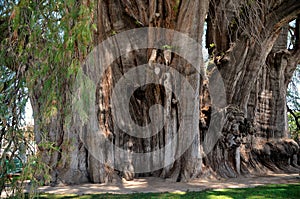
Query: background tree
[
  {"x": 293, "y": 105},
  {"x": 17, "y": 148}
]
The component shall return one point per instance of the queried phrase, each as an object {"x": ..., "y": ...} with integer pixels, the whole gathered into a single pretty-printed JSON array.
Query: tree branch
[
  {"x": 285, "y": 12},
  {"x": 294, "y": 115},
  {"x": 297, "y": 33}
]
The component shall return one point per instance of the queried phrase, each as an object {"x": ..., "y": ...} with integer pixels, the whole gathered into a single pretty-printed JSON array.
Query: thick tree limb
[
  {"x": 295, "y": 116},
  {"x": 284, "y": 13}
]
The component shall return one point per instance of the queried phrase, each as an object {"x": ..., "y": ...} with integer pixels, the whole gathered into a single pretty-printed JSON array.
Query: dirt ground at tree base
[{"x": 151, "y": 184}]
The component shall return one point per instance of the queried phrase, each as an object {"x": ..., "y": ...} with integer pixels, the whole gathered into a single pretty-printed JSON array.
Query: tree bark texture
[
  {"x": 249, "y": 49},
  {"x": 243, "y": 39}
]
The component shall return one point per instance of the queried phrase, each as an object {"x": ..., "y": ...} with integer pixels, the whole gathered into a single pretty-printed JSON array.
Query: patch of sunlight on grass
[
  {"x": 178, "y": 192},
  {"x": 218, "y": 197}
]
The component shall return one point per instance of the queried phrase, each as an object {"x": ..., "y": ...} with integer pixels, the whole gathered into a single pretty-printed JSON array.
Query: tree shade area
[
  {"x": 120, "y": 89},
  {"x": 269, "y": 191}
]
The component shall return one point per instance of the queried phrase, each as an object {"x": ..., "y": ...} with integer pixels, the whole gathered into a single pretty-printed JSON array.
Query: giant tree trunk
[
  {"x": 80, "y": 156},
  {"x": 256, "y": 68},
  {"x": 254, "y": 112},
  {"x": 120, "y": 16}
]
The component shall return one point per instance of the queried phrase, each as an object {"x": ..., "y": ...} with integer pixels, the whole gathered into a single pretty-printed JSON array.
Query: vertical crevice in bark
[
  {"x": 192, "y": 158},
  {"x": 157, "y": 14}
]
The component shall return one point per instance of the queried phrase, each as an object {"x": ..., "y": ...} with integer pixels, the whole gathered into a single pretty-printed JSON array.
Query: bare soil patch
[{"x": 151, "y": 184}]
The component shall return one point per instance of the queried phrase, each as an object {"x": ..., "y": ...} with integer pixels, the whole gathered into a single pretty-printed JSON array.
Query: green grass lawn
[{"x": 268, "y": 191}]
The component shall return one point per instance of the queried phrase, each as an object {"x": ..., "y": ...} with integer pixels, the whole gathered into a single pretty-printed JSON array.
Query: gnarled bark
[
  {"x": 255, "y": 74},
  {"x": 75, "y": 164},
  {"x": 256, "y": 67}
]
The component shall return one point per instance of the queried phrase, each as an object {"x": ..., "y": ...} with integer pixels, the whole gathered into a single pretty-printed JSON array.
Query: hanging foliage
[{"x": 42, "y": 46}]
